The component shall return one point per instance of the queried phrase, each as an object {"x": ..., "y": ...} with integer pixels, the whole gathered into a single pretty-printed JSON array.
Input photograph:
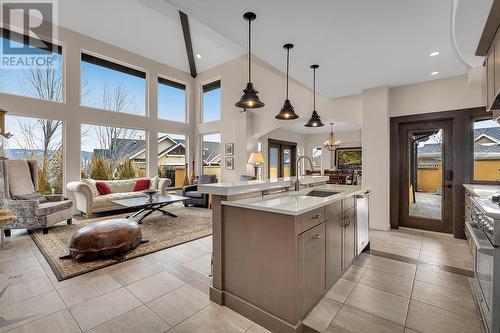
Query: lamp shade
[{"x": 256, "y": 158}]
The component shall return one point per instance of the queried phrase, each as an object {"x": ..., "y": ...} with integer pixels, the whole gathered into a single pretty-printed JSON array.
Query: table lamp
[{"x": 256, "y": 159}]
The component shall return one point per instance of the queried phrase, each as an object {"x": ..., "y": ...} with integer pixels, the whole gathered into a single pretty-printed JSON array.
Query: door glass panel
[
  {"x": 486, "y": 150},
  {"x": 287, "y": 157},
  {"x": 425, "y": 173},
  {"x": 273, "y": 162}
]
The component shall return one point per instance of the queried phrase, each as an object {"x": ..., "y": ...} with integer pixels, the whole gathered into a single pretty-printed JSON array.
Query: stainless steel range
[{"x": 483, "y": 231}]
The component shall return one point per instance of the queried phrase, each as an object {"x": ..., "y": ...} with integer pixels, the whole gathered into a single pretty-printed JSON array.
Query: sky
[{"x": 211, "y": 105}]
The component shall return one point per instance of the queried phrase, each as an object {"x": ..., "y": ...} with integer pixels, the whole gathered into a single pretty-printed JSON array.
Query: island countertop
[
  {"x": 297, "y": 202},
  {"x": 240, "y": 187}
]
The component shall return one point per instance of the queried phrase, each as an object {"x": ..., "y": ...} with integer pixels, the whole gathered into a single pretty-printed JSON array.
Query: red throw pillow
[
  {"x": 103, "y": 188},
  {"x": 141, "y": 185}
]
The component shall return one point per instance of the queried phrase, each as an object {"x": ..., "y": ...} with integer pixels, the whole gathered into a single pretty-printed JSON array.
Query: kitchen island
[{"x": 276, "y": 252}]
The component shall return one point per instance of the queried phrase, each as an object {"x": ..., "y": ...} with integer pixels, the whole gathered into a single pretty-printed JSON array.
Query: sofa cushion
[
  {"x": 105, "y": 200},
  {"x": 103, "y": 188},
  {"x": 120, "y": 186},
  {"x": 153, "y": 184},
  {"x": 194, "y": 194},
  {"x": 93, "y": 187},
  {"x": 53, "y": 207},
  {"x": 19, "y": 175},
  {"x": 32, "y": 196},
  {"x": 141, "y": 185}
]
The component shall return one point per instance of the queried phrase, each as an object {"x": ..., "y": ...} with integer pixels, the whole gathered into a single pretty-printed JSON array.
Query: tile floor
[
  {"x": 167, "y": 291},
  {"x": 378, "y": 294}
]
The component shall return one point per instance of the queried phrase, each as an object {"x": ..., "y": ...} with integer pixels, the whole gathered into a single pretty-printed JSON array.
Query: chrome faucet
[{"x": 297, "y": 181}]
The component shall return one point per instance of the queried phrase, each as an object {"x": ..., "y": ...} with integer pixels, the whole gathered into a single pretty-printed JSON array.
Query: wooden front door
[{"x": 426, "y": 175}]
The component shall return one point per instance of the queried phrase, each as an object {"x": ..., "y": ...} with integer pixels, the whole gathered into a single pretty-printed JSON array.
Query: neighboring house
[{"x": 486, "y": 160}]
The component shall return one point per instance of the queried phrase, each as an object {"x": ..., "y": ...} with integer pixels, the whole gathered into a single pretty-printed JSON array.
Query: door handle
[
  {"x": 448, "y": 186},
  {"x": 449, "y": 174}
]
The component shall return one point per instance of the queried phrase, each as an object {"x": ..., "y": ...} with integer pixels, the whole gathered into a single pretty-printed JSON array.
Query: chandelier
[{"x": 332, "y": 143}]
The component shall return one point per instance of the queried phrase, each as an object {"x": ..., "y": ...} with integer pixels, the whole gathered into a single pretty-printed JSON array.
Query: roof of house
[{"x": 487, "y": 144}]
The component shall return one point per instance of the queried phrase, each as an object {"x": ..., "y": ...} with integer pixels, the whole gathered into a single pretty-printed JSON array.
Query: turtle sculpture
[{"x": 105, "y": 239}]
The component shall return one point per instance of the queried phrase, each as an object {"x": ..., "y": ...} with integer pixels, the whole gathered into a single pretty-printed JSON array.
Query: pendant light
[
  {"x": 332, "y": 143},
  {"x": 315, "y": 120},
  {"x": 287, "y": 112},
  {"x": 249, "y": 100}
]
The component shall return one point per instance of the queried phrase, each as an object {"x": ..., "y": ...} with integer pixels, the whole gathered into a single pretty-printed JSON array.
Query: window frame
[
  {"x": 186, "y": 97},
  {"x": 118, "y": 63},
  {"x": 186, "y": 156},
  {"x": 147, "y": 148},
  {"x": 202, "y": 106},
  {"x": 201, "y": 150},
  {"x": 60, "y": 46},
  {"x": 473, "y": 120}
]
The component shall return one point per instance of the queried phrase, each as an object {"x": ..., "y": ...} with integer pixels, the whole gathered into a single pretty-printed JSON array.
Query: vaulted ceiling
[{"x": 358, "y": 43}]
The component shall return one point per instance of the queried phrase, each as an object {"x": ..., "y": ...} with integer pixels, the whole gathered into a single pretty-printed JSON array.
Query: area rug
[{"x": 161, "y": 232}]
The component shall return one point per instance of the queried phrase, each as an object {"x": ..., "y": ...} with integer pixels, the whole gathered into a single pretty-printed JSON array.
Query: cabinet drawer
[
  {"x": 310, "y": 219},
  {"x": 348, "y": 203}
]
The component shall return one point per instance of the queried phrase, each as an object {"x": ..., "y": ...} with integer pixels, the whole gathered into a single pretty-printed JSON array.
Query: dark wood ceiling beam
[{"x": 189, "y": 45}]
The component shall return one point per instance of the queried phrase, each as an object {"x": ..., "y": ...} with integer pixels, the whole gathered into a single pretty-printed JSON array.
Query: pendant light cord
[
  {"x": 287, "y": 67},
  {"x": 314, "y": 89},
  {"x": 249, "y": 51}
]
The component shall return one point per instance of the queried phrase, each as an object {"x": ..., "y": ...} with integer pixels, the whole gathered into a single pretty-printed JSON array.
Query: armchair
[
  {"x": 18, "y": 178},
  {"x": 196, "y": 198}
]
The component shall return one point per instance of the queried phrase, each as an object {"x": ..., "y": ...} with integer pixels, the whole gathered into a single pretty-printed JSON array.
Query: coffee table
[{"x": 148, "y": 206}]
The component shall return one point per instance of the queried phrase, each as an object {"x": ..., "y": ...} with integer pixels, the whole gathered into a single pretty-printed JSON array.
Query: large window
[
  {"x": 316, "y": 159},
  {"x": 211, "y": 154},
  {"x": 172, "y": 157},
  {"x": 40, "y": 140},
  {"x": 37, "y": 75},
  {"x": 112, "y": 152},
  {"x": 211, "y": 102},
  {"x": 171, "y": 100},
  {"x": 110, "y": 86},
  {"x": 486, "y": 150}
]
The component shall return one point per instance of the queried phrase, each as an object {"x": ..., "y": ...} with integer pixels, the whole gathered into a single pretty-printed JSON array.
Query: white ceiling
[
  {"x": 147, "y": 27},
  {"x": 338, "y": 126},
  {"x": 358, "y": 44}
]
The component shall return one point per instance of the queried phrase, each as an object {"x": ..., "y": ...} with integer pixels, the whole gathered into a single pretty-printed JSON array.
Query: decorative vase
[
  {"x": 193, "y": 175},
  {"x": 186, "y": 177}
]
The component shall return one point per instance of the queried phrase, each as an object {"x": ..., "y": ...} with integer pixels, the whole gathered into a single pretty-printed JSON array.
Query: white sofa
[{"x": 88, "y": 200}]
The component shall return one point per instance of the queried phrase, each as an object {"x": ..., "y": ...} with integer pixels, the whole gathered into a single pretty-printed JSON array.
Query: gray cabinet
[
  {"x": 312, "y": 266},
  {"x": 334, "y": 230},
  {"x": 349, "y": 239}
]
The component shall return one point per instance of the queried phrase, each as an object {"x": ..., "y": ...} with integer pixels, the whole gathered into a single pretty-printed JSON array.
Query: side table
[{"x": 5, "y": 217}]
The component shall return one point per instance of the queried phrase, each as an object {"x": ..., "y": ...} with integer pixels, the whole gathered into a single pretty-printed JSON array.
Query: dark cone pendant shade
[
  {"x": 287, "y": 112},
  {"x": 249, "y": 100},
  {"x": 315, "y": 120}
]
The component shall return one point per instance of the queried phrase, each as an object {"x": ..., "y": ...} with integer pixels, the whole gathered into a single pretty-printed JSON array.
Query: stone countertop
[
  {"x": 240, "y": 187},
  {"x": 297, "y": 202},
  {"x": 481, "y": 195},
  {"x": 482, "y": 191}
]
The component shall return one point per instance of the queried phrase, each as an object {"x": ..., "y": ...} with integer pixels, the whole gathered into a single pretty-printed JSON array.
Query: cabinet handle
[
  {"x": 315, "y": 217},
  {"x": 317, "y": 236}
]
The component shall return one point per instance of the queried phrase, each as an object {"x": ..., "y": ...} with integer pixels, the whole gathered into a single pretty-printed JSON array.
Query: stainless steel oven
[{"x": 486, "y": 268}]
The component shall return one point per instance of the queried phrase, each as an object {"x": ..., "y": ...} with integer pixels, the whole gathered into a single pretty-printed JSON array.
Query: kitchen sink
[{"x": 322, "y": 194}]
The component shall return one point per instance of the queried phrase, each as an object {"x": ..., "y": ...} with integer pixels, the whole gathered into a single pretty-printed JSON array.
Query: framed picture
[
  {"x": 348, "y": 159},
  {"x": 229, "y": 163},
  {"x": 229, "y": 149}
]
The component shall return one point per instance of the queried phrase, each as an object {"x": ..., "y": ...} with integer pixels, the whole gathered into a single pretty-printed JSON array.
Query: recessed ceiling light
[
  {"x": 434, "y": 73},
  {"x": 198, "y": 55},
  {"x": 434, "y": 53}
]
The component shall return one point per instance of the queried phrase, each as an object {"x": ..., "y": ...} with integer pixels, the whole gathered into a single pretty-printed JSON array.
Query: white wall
[
  {"x": 446, "y": 94},
  {"x": 348, "y": 139}
]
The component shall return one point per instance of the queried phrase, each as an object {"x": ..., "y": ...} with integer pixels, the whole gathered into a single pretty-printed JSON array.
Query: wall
[
  {"x": 73, "y": 115},
  {"x": 245, "y": 129},
  {"x": 446, "y": 94},
  {"x": 348, "y": 139}
]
